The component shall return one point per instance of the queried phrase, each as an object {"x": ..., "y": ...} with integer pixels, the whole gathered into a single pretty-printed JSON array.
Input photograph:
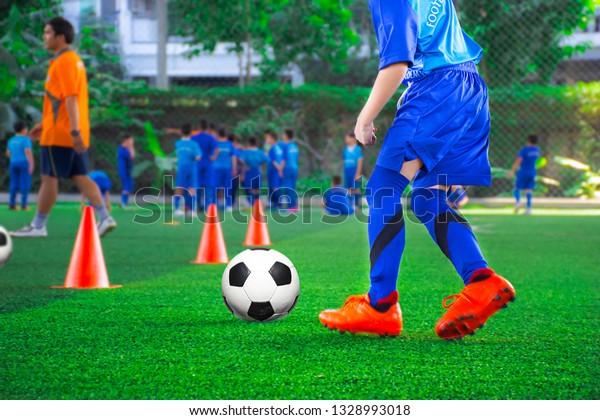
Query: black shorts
[{"x": 63, "y": 162}]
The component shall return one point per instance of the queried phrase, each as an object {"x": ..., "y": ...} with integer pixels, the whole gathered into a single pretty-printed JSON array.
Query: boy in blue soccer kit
[
  {"x": 336, "y": 200},
  {"x": 21, "y": 166},
  {"x": 290, "y": 168},
  {"x": 439, "y": 138},
  {"x": 207, "y": 143},
  {"x": 353, "y": 163},
  {"x": 104, "y": 185},
  {"x": 125, "y": 156},
  {"x": 188, "y": 153},
  {"x": 224, "y": 166},
  {"x": 525, "y": 161},
  {"x": 274, "y": 168},
  {"x": 253, "y": 159}
]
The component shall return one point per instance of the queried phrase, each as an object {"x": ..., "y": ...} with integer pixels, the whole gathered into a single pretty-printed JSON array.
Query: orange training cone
[
  {"x": 87, "y": 269},
  {"x": 212, "y": 245},
  {"x": 257, "y": 233}
]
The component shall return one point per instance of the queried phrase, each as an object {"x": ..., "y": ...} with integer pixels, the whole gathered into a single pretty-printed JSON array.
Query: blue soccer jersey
[
  {"x": 337, "y": 201},
  {"x": 275, "y": 156},
  {"x": 102, "y": 180},
  {"x": 529, "y": 154},
  {"x": 207, "y": 144},
  {"x": 226, "y": 151},
  {"x": 17, "y": 146},
  {"x": 351, "y": 156},
  {"x": 124, "y": 162},
  {"x": 424, "y": 33},
  {"x": 187, "y": 152},
  {"x": 254, "y": 158},
  {"x": 290, "y": 155}
]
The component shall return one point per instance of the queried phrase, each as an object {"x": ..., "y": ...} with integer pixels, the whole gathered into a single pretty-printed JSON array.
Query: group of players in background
[{"x": 213, "y": 164}]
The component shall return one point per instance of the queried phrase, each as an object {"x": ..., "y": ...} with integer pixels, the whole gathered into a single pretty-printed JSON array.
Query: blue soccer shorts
[
  {"x": 525, "y": 181},
  {"x": 63, "y": 162},
  {"x": 445, "y": 121}
]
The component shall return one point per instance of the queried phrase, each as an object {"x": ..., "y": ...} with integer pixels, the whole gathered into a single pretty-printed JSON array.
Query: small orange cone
[
  {"x": 87, "y": 269},
  {"x": 257, "y": 233},
  {"x": 212, "y": 248}
]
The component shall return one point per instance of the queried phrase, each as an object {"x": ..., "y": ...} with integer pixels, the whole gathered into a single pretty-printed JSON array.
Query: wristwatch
[{"x": 75, "y": 133}]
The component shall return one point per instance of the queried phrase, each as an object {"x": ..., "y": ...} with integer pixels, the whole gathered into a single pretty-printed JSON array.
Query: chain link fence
[{"x": 558, "y": 102}]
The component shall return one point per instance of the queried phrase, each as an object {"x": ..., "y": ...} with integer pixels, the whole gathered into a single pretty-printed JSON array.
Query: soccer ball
[
  {"x": 5, "y": 246},
  {"x": 260, "y": 285}
]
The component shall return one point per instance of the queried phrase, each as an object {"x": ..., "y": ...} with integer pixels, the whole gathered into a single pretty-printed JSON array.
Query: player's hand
[
  {"x": 510, "y": 174},
  {"x": 78, "y": 144},
  {"x": 36, "y": 132},
  {"x": 31, "y": 169},
  {"x": 365, "y": 133}
]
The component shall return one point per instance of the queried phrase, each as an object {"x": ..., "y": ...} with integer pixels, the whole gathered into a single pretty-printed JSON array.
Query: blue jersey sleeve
[
  {"x": 26, "y": 143},
  {"x": 522, "y": 153},
  {"x": 396, "y": 28}
]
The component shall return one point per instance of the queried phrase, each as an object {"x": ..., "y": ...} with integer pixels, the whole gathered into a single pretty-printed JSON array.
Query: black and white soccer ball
[
  {"x": 260, "y": 285},
  {"x": 5, "y": 246}
]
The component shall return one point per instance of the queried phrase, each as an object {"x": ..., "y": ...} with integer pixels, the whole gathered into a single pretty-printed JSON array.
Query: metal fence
[{"x": 561, "y": 109}]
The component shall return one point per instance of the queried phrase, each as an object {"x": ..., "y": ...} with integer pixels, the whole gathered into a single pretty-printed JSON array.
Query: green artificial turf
[{"x": 166, "y": 334}]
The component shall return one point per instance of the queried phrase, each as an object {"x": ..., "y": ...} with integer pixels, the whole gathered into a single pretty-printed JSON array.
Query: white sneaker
[
  {"x": 528, "y": 211},
  {"x": 229, "y": 209},
  {"x": 107, "y": 225},
  {"x": 178, "y": 213},
  {"x": 29, "y": 232}
]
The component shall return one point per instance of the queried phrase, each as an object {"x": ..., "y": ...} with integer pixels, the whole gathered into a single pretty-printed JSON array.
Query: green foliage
[
  {"x": 281, "y": 31},
  {"x": 522, "y": 38},
  {"x": 22, "y": 59},
  {"x": 589, "y": 185}
]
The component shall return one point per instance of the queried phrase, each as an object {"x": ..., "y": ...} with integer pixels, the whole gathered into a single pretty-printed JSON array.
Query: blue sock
[
  {"x": 177, "y": 202},
  {"x": 449, "y": 230},
  {"x": 529, "y": 197},
  {"x": 124, "y": 199},
  {"x": 517, "y": 194},
  {"x": 386, "y": 231},
  {"x": 101, "y": 211},
  {"x": 39, "y": 220}
]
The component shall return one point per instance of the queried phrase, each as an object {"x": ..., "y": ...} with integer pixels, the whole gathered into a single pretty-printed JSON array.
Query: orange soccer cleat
[
  {"x": 358, "y": 316},
  {"x": 485, "y": 295}
]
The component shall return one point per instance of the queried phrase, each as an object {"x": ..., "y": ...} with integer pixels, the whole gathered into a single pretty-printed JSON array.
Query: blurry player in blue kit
[
  {"x": 353, "y": 163},
  {"x": 125, "y": 156},
  {"x": 104, "y": 184},
  {"x": 186, "y": 181},
  {"x": 525, "y": 162},
  {"x": 253, "y": 158},
  {"x": 439, "y": 138}
]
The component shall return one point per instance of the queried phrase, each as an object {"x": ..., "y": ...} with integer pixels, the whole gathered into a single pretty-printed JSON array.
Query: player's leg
[
  {"x": 93, "y": 194},
  {"x": 517, "y": 193},
  {"x": 529, "y": 194},
  {"x": 449, "y": 230},
  {"x": 15, "y": 174},
  {"x": 24, "y": 182},
  {"x": 178, "y": 195},
  {"x": 378, "y": 312}
]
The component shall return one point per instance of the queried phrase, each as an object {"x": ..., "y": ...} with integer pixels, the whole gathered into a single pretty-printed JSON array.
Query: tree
[
  {"x": 283, "y": 32},
  {"x": 522, "y": 38},
  {"x": 22, "y": 59}
]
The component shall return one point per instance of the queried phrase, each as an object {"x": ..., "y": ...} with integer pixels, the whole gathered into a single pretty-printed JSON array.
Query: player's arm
[
  {"x": 233, "y": 164},
  {"x": 132, "y": 151},
  {"x": 82, "y": 204},
  {"x": 29, "y": 155},
  {"x": 387, "y": 83},
  {"x": 359, "y": 166},
  {"x": 8, "y": 153},
  {"x": 36, "y": 132},
  {"x": 72, "y": 106},
  {"x": 215, "y": 155},
  {"x": 515, "y": 166}
]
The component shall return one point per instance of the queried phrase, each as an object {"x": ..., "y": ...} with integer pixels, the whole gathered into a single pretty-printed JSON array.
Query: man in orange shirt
[{"x": 64, "y": 131}]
